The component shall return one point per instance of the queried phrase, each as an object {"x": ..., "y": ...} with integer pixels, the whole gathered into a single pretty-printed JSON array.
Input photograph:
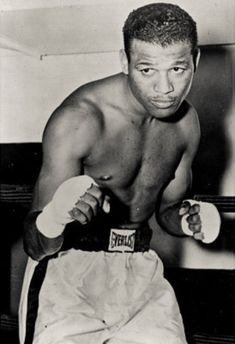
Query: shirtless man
[{"x": 114, "y": 152}]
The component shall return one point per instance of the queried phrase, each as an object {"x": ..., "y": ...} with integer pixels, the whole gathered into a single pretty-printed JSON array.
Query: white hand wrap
[
  {"x": 210, "y": 221},
  {"x": 55, "y": 215}
]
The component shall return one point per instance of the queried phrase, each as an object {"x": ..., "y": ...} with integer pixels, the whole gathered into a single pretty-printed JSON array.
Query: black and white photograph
[{"x": 117, "y": 174}]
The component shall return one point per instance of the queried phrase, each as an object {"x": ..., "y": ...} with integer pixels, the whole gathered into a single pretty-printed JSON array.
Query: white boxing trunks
[{"x": 105, "y": 298}]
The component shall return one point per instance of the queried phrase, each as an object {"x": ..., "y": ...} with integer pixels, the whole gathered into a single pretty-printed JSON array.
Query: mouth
[{"x": 163, "y": 103}]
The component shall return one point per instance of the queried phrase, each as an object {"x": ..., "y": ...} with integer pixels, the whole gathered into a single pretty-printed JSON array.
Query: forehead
[{"x": 155, "y": 53}]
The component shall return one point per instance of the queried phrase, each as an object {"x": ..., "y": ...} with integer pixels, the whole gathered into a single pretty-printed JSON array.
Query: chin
[{"x": 165, "y": 113}]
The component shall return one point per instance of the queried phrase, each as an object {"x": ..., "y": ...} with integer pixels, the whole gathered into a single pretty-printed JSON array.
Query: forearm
[
  {"x": 169, "y": 219},
  {"x": 37, "y": 245}
]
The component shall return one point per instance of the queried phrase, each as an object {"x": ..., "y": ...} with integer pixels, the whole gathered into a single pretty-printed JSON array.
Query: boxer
[{"x": 116, "y": 152}]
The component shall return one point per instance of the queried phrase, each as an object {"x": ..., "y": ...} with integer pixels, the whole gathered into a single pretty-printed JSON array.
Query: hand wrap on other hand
[{"x": 210, "y": 221}]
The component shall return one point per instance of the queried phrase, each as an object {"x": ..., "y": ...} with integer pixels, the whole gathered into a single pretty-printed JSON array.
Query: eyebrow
[
  {"x": 177, "y": 62},
  {"x": 181, "y": 61},
  {"x": 145, "y": 63}
]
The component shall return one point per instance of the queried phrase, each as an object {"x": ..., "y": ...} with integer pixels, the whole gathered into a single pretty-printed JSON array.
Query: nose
[{"x": 163, "y": 84}]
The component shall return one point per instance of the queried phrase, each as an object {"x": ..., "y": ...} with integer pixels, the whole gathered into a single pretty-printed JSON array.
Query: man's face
[{"x": 160, "y": 77}]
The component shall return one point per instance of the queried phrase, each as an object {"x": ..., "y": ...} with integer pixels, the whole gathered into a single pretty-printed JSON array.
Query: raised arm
[
  {"x": 67, "y": 140},
  {"x": 172, "y": 205}
]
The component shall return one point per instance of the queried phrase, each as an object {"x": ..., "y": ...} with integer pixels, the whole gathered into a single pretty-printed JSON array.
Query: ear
[
  {"x": 196, "y": 58},
  {"x": 124, "y": 61}
]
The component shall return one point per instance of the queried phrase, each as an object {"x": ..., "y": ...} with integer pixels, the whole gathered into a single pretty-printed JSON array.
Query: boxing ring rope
[
  {"x": 15, "y": 193},
  {"x": 224, "y": 204}
]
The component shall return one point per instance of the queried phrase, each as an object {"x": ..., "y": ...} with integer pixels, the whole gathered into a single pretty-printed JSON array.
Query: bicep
[
  {"x": 56, "y": 168},
  {"x": 63, "y": 152},
  {"x": 177, "y": 189}
]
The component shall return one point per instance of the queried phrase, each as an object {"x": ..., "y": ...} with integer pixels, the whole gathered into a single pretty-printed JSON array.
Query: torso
[
  {"x": 136, "y": 166},
  {"x": 133, "y": 161}
]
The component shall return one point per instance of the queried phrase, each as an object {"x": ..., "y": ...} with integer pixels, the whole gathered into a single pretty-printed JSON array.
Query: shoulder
[
  {"x": 83, "y": 108},
  {"x": 78, "y": 117}
]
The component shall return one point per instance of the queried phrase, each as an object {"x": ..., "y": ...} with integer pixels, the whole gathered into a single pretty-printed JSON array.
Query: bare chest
[{"x": 135, "y": 164}]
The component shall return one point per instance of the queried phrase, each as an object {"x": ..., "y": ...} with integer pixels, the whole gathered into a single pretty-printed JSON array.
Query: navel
[{"x": 105, "y": 177}]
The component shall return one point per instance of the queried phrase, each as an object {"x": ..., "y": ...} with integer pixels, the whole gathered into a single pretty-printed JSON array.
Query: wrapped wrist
[{"x": 46, "y": 223}]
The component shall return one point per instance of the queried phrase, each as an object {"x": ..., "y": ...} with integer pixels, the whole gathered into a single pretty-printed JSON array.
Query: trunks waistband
[{"x": 100, "y": 237}]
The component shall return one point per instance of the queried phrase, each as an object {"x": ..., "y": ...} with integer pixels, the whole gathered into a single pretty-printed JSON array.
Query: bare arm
[
  {"x": 65, "y": 144},
  {"x": 170, "y": 210}
]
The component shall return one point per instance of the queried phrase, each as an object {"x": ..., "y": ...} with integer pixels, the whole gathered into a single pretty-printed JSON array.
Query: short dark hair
[{"x": 160, "y": 23}]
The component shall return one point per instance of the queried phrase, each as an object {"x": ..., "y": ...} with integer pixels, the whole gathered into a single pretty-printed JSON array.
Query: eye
[
  {"x": 178, "y": 70},
  {"x": 147, "y": 71}
]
